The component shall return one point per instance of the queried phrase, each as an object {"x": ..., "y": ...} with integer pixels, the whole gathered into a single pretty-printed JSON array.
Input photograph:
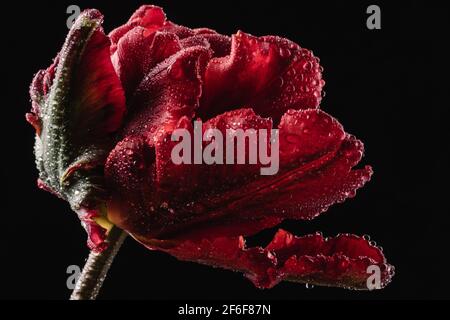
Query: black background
[{"x": 383, "y": 86}]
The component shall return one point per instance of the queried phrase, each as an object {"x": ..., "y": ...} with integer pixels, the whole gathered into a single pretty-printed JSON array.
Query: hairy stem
[{"x": 96, "y": 267}]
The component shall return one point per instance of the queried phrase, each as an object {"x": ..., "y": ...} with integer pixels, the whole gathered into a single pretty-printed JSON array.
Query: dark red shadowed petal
[
  {"x": 129, "y": 173},
  {"x": 269, "y": 73},
  {"x": 342, "y": 261},
  {"x": 98, "y": 91}
]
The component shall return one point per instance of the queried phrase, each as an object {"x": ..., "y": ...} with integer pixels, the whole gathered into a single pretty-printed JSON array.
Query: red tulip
[{"x": 106, "y": 109}]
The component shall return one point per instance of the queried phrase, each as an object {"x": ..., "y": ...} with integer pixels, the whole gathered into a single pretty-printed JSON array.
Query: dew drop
[
  {"x": 164, "y": 205},
  {"x": 307, "y": 65},
  {"x": 293, "y": 46},
  {"x": 285, "y": 53},
  {"x": 265, "y": 46},
  {"x": 291, "y": 72},
  {"x": 279, "y": 82}
]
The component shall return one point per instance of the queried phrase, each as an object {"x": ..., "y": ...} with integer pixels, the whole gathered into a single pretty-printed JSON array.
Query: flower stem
[{"x": 97, "y": 266}]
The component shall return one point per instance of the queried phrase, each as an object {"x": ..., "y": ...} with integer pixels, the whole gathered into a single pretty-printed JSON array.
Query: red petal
[
  {"x": 341, "y": 261},
  {"x": 169, "y": 92},
  {"x": 303, "y": 192},
  {"x": 299, "y": 85},
  {"x": 189, "y": 179},
  {"x": 149, "y": 17},
  {"x": 97, "y": 234},
  {"x": 219, "y": 44},
  {"x": 129, "y": 173},
  {"x": 35, "y": 121},
  {"x": 134, "y": 48},
  {"x": 269, "y": 73},
  {"x": 98, "y": 90},
  {"x": 152, "y": 19},
  {"x": 233, "y": 174},
  {"x": 170, "y": 176},
  {"x": 311, "y": 179},
  {"x": 137, "y": 52},
  {"x": 308, "y": 134},
  {"x": 181, "y": 31}
]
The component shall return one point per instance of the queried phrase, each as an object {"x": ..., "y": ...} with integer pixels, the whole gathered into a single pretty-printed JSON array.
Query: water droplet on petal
[
  {"x": 307, "y": 65},
  {"x": 309, "y": 286},
  {"x": 164, "y": 205},
  {"x": 279, "y": 82},
  {"x": 291, "y": 72},
  {"x": 285, "y": 53}
]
